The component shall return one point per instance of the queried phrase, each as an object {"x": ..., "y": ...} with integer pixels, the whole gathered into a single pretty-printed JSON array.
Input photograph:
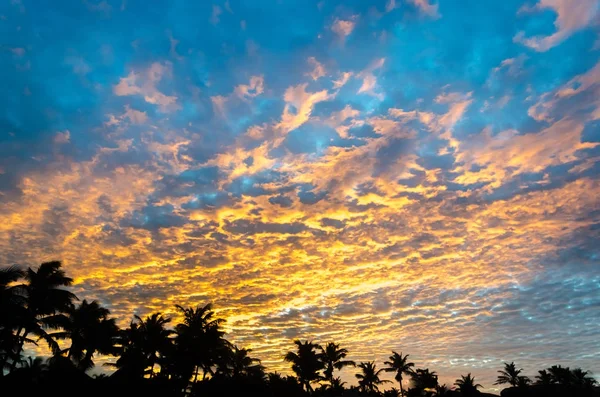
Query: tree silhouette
[
  {"x": 200, "y": 339},
  {"x": 368, "y": 379},
  {"x": 509, "y": 375},
  {"x": 145, "y": 341},
  {"x": 543, "y": 378},
  {"x": 560, "y": 375},
  {"x": 239, "y": 363},
  {"x": 424, "y": 383},
  {"x": 306, "y": 363},
  {"x": 90, "y": 331},
  {"x": 12, "y": 311},
  {"x": 581, "y": 379},
  {"x": 399, "y": 364},
  {"x": 44, "y": 298},
  {"x": 333, "y": 358},
  {"x": 467, "y": 386},
  {"x": 442, "y": 390},
  {"x": 393, "y": 392}
]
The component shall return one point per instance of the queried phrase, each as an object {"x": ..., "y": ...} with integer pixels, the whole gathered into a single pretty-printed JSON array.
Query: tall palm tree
[
  {"x": 306, "y": 363},
  {"x": 90, "y": 331},
  {"x": 467, "y": 386},
  {"x": 401, "y": 366},
  {"x": 333, "y": 358},
  {"x": 509, "y": 375},
  {"x": 200, "y": 339},
  {"x": 156, "y": 337},
  {"x": 368, "y": 379},
  {"x": 45, "y": 297},
  {"x": 543, "y": 378}
]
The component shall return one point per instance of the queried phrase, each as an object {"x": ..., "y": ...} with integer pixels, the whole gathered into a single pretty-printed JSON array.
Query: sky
[{"x": 410, "y": 175}]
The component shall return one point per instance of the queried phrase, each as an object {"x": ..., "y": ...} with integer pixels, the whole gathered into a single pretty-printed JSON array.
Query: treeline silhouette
[{"x": 193, "y": 357}]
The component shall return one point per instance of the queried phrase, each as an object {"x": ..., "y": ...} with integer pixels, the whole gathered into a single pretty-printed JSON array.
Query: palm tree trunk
[
  {"x": 401, "y": 388},
  {"x": 86, "y": 359},
  {"x": 19, "y": 348},
  {"x": 196, "y": 375}
]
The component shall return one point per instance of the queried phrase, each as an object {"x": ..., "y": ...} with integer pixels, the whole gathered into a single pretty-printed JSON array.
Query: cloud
[
  {"x": 299, "y": 105},
  {"x": 426, "y": 8},
  {"x": 344, "y": 78},
  {"x": 513, "y": 66},
  {"x": 215, "y": 16},
  {"x": 243, "y": 92},
  {"x": 318, "y": 70},
  {"x": 253, "y": 89},
  {"x": 571, "y": 17},
  {"x": 390, "y": 5},
  {"x": 145, "y": 83},
  {"x": 344, "y": 27},
  {"x": 135, "y": 116},
  {"x": 369, "y": 83},
  {"x": 62, "y": 137}
]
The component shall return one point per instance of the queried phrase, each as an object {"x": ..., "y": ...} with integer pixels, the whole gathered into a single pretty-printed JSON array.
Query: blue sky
[{"x": 415, "y": 175}]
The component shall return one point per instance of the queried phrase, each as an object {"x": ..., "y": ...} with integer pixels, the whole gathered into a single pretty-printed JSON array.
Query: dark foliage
[{"x": 154, "y": 357}]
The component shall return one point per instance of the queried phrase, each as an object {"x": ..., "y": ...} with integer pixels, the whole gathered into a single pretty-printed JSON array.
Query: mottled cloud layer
[{"x": 376, "y": 174}]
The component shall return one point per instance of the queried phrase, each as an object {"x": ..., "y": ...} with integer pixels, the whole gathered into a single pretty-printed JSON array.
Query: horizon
[{"x": 407, "y": 175}]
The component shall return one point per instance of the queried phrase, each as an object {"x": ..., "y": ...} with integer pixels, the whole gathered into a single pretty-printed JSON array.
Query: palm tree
[
  {"x": 333, "y": 358},
  {"x": 400, "y": 365},
  {"x": 543, "y": 378},
  {"x": 467, "y": 386},
  {"x": 509, "y": 375},
  {"x": 523, "y": 381},
  {"x": 581, "y": 379},
  {"x": 90, "y": 331},
  {"x": 442, "y": 390},
  {"x": 132, "y": 361},
  {"x": 369, "y": 380},
  {"x": 424, "y": 382},
  {"x": 239, "y": 363},
  {"x": 393, "y": 392},
  {"x": 199, "y": 340},
  {"x": 44, "y": 298},
  {"x": 12, "y": 310},
  {"x": 336, "y": 386},
  {"x": 560, "y": 375},
  {"x": 156, "y": 337},
  {"x": 306, "y": 363}
]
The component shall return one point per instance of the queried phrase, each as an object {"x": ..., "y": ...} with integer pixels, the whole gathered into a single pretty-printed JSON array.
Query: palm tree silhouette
[
  {"x": 560, "y": 375},
  {"x": 543, "y": 378},
  {"x": 44, "y": 298},
  {"x": 333, "y": 358},
  {"x": 90, "y": 331},
  {"x": 368, "y": 379},
  {"x": 400, "y": 365},
  {"x": 442, "y": 390},
  {"x": 393, "y": 392},
  {"x": 582, "y": 380},
  {"x": 146, "y": 341},
  {"x": 509, "y": 375},
  {"x": 239, "y": 363},
  {"x": 424, "y": 382},
  {"x": 306, "y": 363},
  {"x": 200, "y": 339},
  {"x": 12, "y": 312},
  {"x": 467, "y": 386}
]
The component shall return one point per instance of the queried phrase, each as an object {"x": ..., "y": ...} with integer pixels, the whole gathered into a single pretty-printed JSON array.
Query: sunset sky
[{"x": 415, "y": 175}]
